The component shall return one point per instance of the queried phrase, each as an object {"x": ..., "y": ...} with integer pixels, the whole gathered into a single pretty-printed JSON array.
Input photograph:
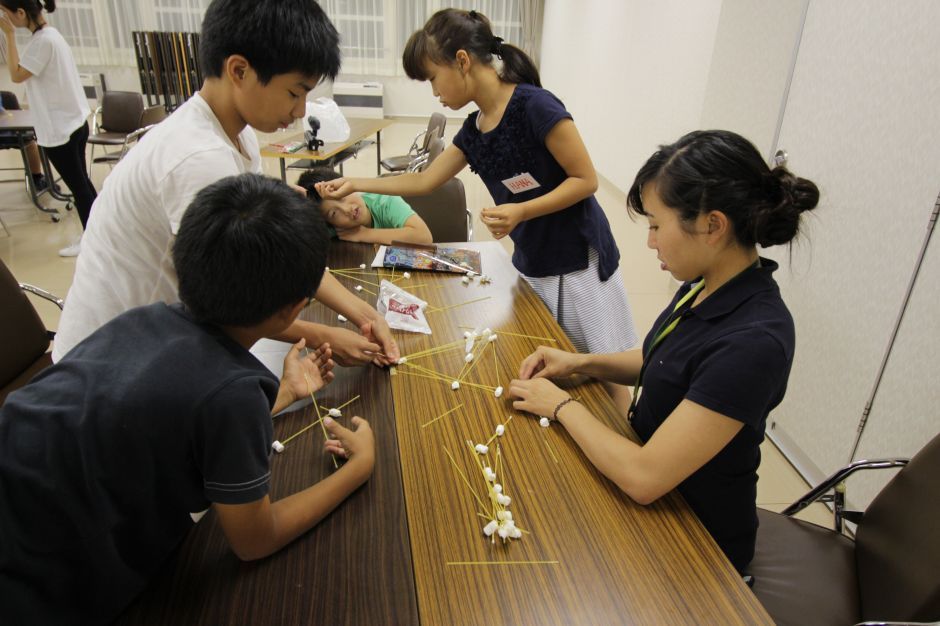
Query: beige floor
[{"x": 29, "y": 250}]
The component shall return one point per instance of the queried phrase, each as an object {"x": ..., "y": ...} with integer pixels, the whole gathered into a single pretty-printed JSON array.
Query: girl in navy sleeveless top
[{"x": 525, "y": 146}]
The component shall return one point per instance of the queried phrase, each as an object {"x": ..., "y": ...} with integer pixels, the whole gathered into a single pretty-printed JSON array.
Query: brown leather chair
[
  {"x": 445, "y": 212},
  {"x": 118, "y": 116},
  {"x": 806, "y": 574},
  {"x": 23, "y": 336}
]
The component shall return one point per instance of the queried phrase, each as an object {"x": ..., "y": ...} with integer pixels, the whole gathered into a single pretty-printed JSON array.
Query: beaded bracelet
[{"x": 558, "y": 408}]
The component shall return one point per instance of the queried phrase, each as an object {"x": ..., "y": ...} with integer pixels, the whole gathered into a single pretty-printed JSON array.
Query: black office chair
[
  {"x": 445, "y": 212},
  {"x": 435, "y": 129},
  {"x": 806, "y": 574},
  {"x": 9, "y": 140},
  {"x": 23, "y": 336}
]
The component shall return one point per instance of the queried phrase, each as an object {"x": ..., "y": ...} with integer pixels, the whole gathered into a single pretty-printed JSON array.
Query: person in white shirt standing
[{"x": 56, "y": 98}]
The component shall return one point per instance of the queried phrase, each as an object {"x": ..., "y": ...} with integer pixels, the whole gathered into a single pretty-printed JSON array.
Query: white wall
[
  {"x": 750, "y": 67},
  {"x": 632, "y": 73}
]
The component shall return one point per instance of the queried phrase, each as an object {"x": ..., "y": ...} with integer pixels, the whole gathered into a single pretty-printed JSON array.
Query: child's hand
[
  {"x": 501, "y": 220},
  {"x": 357, "y": 444},
  {"x": 305, "y": 375},
  {"x": 356, "y": 234},
  {"x": 335, "y": 189},
  {"x": 5, "y": 24}
]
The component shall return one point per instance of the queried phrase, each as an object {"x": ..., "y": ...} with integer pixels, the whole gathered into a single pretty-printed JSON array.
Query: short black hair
[
  {"x": 248, "y": 246},
  {"x": 275, "y": 36},
  {"x": 309, "y": 179}
]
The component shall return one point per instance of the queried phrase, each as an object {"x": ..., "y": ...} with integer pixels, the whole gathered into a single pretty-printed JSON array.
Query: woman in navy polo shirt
[{"x": 719, "y": 356}]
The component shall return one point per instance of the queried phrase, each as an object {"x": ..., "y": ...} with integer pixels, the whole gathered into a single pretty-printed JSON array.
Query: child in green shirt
[{"x": 365, "y": 217}]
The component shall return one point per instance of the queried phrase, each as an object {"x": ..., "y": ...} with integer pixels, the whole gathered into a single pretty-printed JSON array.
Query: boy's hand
[
  {"x": 335, "y": 189},
  {"x": 357, "y": 445},
  {"x": 377, "y": 330},
  {"x": 548, "y": 362},
  {"x": 305, "y": 375},
  {"x": 351, "y": 349},
  {"x": 501, "y": 220}
]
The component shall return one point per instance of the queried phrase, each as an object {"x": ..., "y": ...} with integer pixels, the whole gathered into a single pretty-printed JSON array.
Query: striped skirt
[{"x": 594, "y": 314}]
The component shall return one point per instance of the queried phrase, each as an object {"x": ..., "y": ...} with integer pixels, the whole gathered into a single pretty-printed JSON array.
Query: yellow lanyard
[{"x": 663, "y": 332}]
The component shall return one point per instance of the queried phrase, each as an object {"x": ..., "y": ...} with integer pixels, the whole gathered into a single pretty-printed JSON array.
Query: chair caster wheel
[
  {"x": 55, "y": 219},
  {"x": 69, "y": 207}
]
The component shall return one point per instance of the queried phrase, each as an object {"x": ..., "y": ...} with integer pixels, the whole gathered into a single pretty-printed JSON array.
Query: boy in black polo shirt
[{"x": 108, "y": 457}]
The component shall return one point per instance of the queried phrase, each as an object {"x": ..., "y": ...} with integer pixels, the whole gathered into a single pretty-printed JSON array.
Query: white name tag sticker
[{"x": 520, "y": 183}]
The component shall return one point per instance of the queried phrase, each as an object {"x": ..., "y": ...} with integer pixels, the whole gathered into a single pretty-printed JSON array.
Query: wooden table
[
  {"x": 20, "y": 122},
  {"x": 407, "y": 548},
  {"x": 359, "y": 130}
]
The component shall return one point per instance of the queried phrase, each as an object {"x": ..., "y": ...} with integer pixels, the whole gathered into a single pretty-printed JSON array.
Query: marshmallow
[
  {"x": 455, "y": 385},
  {"x": 515, "y": 533},
  {"x": 403, "y": 360},
  {"x": 492, "y": 338},
  {"x": 465, "y": 280},
  {"x": 481, "y": 448},
  {"x": 486, "y": 332},
  {"x": 498, "y": 393},
  {"x": 469, "y": 357},
  {"x": 358, "y": 287},
  {"x": 466, "y": 334},
  {"x": 278, "y": 447},
  {"x": 544, "y": 422},
  {"x": 489, "y": 474},
  {"x": 503, "y": 515},
  {"x": 336, "y": 413},
  {"x": 471, "y": 273},
  {"x": 407, "y": 274},
  {"x": 484, "y": 279},
  {"x": 490, "y": 528},
  {"x": 498, "y": 488},
  {"x": 500, "y": 429},
  {"x": 503, "y": 499},
  {"x": 342, "y": 318},
  {"x": 507, "y": 515},
  {"x": 362, "y": 266},
  {"x": 503, "y": 532}
]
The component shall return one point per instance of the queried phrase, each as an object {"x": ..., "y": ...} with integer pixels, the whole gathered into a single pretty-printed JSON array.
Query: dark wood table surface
[{"x": 408, "y": 547}]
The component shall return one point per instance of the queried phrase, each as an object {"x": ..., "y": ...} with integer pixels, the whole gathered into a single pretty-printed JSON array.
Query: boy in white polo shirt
[{"x": 252, "y": 80}]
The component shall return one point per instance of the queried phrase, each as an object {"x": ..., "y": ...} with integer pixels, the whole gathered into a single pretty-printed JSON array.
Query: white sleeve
[
  {"x": 190, "y": 177},
  {"x": 36, "y": 56}
]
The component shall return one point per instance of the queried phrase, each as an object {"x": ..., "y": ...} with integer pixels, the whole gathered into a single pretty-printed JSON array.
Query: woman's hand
[
  {"x": 305, "y": 375},
  {"x": 548, "y": 362},
  {"x": 501, "y": 220},
  {"x": 538, "y": 396}
]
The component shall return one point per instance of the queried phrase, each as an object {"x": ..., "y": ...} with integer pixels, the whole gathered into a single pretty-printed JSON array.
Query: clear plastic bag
[
  {"x": 333, "y": 124},
  {"x": 402, "y": 310}
]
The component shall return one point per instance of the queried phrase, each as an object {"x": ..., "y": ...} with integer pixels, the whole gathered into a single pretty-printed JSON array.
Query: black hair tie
[
  {"x": 496, "y": 47},
  {"x": 472, "y": 15}
]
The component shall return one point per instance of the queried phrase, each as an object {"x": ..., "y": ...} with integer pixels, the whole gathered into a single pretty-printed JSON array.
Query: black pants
[{"x": 69, "y": 161}]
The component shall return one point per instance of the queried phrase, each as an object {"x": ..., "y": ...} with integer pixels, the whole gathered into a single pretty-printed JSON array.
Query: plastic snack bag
[
  {"x": 333, "y": 124},
  {"x": 401, "y": 309}
]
